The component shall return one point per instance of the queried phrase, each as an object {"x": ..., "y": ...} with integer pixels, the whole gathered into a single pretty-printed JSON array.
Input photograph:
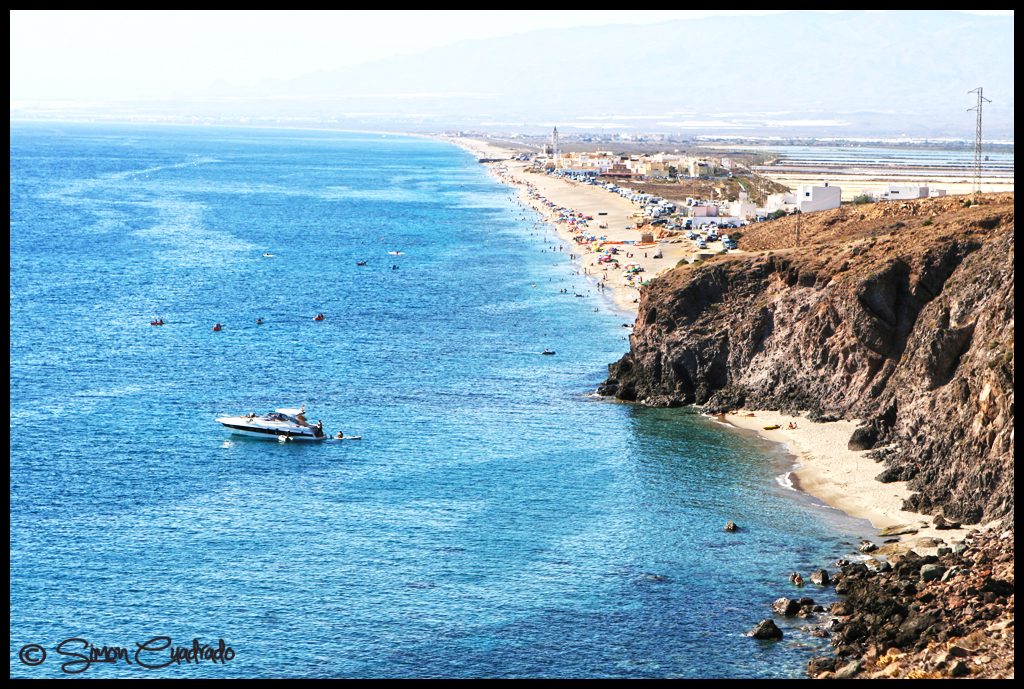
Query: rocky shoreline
[{"x": 915, "y": 617}]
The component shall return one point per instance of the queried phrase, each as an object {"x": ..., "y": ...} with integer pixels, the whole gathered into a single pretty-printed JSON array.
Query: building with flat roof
[
  {"x": 807, "y": 199},
  {"x": 811, "y": 198},
  {"x": 904, "y": 191},
  {"x": 744, "y": 208}
]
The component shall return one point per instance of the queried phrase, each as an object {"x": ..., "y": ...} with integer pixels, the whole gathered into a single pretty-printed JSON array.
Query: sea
[{"x": 496, "y": 519}]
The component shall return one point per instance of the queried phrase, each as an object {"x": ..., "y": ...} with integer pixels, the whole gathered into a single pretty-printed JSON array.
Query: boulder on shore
[
  {"x": 816, "y": 666},
  {"x": 899, "y": 530}
]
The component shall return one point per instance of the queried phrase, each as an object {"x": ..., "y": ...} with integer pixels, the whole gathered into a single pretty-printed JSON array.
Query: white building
[
  {"x": 811, "y": 198},
  {"x": 743, "y": 208},
  {"x": 601, "y": 161},
  {"x": 807, "y": 199},
  {"x": 894, "y": 192},
  {"x": 780, "y": 202},
  {"x": 708, "y": 211}
]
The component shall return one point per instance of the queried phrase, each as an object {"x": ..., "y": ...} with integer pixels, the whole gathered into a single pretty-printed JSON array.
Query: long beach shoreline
[
  {"x": 828, "y": 470},
  {"x": 613, "y": 219}
]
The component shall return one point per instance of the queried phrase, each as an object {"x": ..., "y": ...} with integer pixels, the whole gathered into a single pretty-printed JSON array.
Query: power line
[{"x": 977, "y": 142}]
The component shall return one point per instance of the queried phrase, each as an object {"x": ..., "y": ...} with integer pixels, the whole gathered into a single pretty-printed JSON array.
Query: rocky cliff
[{"x": 900, "y": 314}]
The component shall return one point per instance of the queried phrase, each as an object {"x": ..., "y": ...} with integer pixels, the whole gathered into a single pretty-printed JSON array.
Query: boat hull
[{"x": 240, "y": 427}]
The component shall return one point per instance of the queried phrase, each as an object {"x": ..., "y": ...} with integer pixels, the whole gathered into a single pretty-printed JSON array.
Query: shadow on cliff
[{"x": 906, "y": 325}]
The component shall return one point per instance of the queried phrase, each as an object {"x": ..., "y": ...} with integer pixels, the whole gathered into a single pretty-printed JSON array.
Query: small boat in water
[
  {"x": 159, "y": 321},
  {"x": 319, "y": 317},
  {"x": 284, "y": 425},
  {"x": 217, "y": 328},
  {"x": 548, "y": 352},
  {"x": 360, "y": 263}
]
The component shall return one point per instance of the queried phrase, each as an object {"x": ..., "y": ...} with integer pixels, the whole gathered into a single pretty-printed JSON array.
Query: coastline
[
  {"x": 844, "y": 478},
  {"x": 947, "y": 595},
  {"x": 828, "y": 470},
  {"x": 613, "y": 219}
]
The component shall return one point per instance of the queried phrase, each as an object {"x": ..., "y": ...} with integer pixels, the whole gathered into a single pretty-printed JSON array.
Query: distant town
[{"x": 746, "y": 201}]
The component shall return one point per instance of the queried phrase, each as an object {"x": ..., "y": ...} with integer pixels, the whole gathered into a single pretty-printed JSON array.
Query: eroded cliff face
[{"x": 910, "y": 329}]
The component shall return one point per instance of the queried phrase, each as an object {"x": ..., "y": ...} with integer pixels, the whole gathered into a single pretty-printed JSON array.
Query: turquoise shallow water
[{"x": 496, "y": 520}]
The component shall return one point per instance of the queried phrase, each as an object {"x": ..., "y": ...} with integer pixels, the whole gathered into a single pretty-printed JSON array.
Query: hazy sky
[{"x": 83, "y": 55}]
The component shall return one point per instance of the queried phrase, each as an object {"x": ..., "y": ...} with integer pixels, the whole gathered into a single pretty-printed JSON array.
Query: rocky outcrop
[
  {"x": 945, "y": 616},
  {"x": 906, "y": 325},
  {"x": 766, "y": 629}
]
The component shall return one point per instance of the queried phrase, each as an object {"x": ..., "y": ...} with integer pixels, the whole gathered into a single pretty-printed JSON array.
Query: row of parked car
[
  {"x": 712, "y": 236},
  {"x": 660, "y": 209}
]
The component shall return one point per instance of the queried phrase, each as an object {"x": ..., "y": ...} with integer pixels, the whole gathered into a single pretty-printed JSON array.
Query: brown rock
[
  {"x": 958, "y": 652},
  {"x": 849, "y": 670},
  {"x": 766, "y": 629},
  {"x": 899, "y": 530},
  {"x": 841, "y": 607},
  {"x": 820, "y": 578},
  {"x": 816, "y": 666},
  {"x": 912, "y": 332},
  {"x": 959, "y": 669},
  {"x": 786, "y": 606}
]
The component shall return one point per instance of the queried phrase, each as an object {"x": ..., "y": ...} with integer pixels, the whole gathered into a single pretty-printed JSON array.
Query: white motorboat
[{"x": 280, "y": 424}]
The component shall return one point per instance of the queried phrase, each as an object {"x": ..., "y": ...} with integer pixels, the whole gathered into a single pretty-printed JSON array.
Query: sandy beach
[
  {"x": 841, "y": 478},
  {"x": 614, "y": 218}
]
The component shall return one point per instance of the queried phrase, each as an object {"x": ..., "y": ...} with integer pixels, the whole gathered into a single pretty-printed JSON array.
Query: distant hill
[
  {"x": 891, "y": 71},
  {"x": 803, "y": 74}
]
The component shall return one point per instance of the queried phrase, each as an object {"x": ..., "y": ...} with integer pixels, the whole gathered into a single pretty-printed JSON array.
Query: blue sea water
[{"x": 496, "y": 519}]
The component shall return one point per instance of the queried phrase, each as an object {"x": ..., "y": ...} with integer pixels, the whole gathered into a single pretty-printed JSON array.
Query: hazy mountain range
[{"x": 899, "y": 72}]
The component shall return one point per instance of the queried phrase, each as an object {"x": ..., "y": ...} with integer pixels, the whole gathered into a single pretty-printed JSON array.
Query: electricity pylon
[{"x": 977, "y": 142}]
